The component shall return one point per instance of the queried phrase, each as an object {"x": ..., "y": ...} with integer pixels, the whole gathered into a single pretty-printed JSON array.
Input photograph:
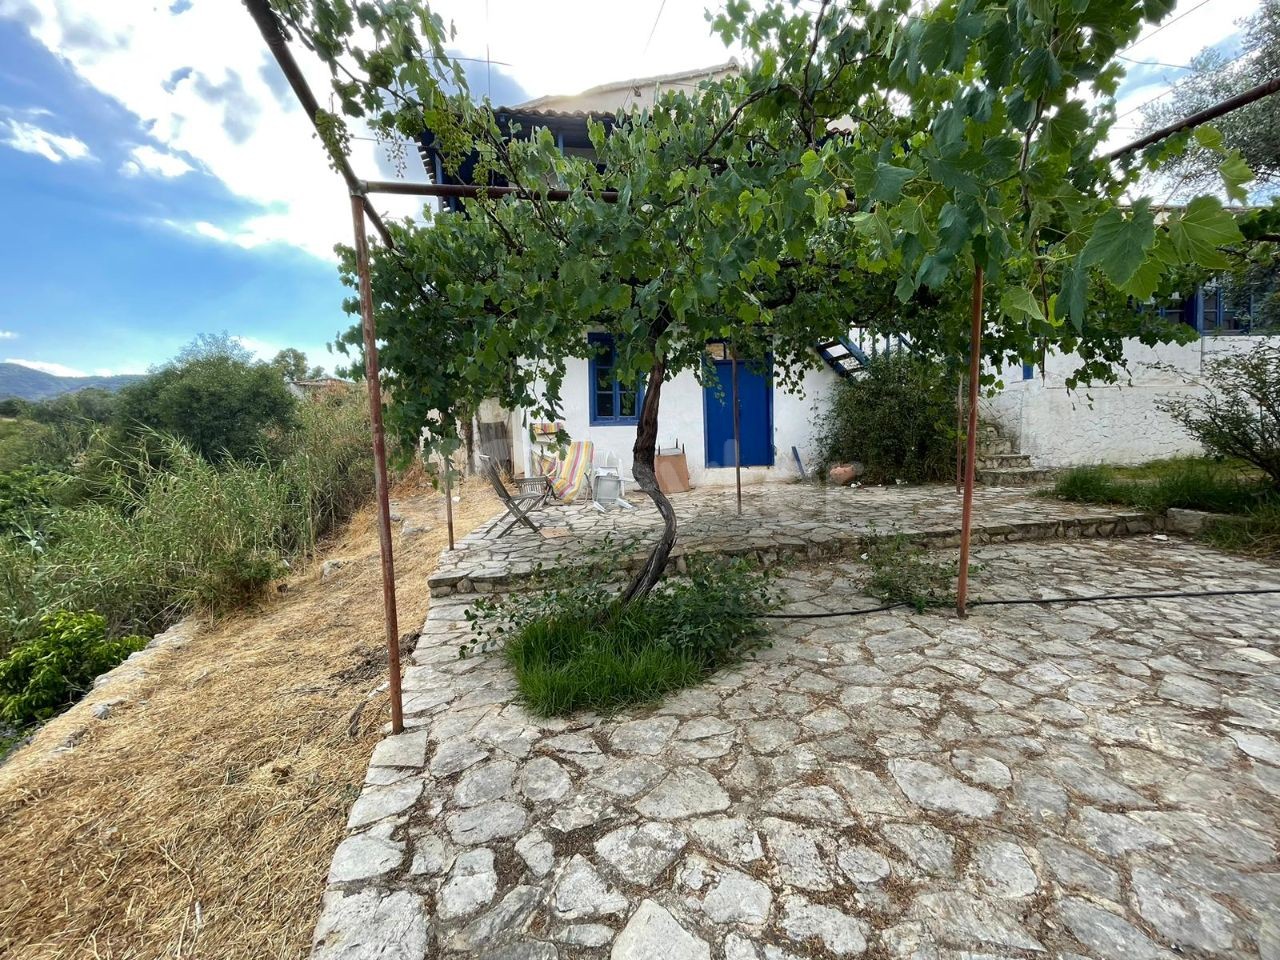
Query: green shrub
[
  {"x": 41, "y": 677},
  {"x": 162, "y": 535},
  {"x": 1240, "y": 416},
  {"x": 224, "y": 407},
  {"x": 897, "y": 420},
  {"x": 905, "y": 572},
  {"x": 574, "y": 647},
  {"x": 27, "y": 502}
]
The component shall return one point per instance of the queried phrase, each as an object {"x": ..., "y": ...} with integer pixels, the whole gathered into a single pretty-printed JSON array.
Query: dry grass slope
[{"x": 200, "y": 818}]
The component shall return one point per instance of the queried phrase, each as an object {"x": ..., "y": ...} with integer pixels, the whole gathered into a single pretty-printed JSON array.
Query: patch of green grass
[
  {"x": 576, "y": 647},
  {"x": 599, "y": 662},
  {"x": 1157, "y": 469},
  {"x": 1190, "y": 484},
  {"x": 1255, "y": 533},
  {"x": 1086, "y": 485}
]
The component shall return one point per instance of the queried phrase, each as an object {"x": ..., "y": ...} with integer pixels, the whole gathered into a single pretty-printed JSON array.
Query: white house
[{"x": 775, "y": 424}]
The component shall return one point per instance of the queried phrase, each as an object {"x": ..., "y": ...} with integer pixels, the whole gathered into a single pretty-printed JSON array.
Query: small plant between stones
[{"x": 901, "y": 571}]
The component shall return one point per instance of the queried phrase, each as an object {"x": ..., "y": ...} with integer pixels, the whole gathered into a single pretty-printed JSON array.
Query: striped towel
[
  {"x": 542, "y": 431},
  {"x": 570, "y": 473}
]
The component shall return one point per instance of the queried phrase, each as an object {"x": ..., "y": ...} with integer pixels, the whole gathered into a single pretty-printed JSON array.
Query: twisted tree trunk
[{"x": 642, "y": 468}]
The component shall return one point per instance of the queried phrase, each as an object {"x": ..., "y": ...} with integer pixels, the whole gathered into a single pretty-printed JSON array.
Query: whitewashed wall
[
  {"x": 1106, "y": 424},
  {"x": 681, "y": 419}
]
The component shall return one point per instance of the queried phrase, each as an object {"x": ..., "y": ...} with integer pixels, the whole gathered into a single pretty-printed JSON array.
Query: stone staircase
[{"x": 999, "y": 464}]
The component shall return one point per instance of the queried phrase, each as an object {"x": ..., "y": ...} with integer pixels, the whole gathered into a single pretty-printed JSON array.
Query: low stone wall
[{"x": 772, "y": 550}]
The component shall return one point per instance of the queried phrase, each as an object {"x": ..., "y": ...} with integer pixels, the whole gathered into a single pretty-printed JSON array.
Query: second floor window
[{"x": 612, "y": 402}]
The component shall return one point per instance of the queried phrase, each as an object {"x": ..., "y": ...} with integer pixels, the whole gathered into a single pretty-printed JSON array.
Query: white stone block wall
[
  {"x": 796, "y": 418},
  {"x": 1118, "y": 423}
]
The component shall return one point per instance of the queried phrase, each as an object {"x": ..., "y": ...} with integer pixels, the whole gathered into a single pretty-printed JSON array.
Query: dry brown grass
[{"x": 200, "y": 818}]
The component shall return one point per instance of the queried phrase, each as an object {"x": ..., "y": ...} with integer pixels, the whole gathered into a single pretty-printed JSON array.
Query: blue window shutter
[{"x": 611, "y": 403}]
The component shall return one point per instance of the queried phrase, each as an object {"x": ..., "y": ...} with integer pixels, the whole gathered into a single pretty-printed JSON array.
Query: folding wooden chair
[{"x": 534, "y": 492}]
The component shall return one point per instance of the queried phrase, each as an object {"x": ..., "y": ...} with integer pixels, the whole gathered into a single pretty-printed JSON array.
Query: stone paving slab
[
  {"x": 1077, "y": 781},
  {"x": 778, "y": 521}
]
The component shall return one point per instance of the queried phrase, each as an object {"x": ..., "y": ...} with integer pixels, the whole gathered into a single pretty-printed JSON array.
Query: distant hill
[{"x": 27, "y": 384}]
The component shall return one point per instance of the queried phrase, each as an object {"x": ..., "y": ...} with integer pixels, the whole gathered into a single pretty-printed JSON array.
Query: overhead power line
[
  {"x": 1172, "y": 87},
  {"x": 1166, "y": 25},
  {"x": 1155, "y": 63},
  {"x": 653, "y": 29}
]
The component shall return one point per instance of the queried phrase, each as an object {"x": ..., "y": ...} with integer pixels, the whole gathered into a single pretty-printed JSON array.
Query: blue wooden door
[{"x": 755, "y": 415}]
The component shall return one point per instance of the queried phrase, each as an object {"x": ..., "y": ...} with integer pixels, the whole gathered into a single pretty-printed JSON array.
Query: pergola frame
[{"x": 359, "y": 190}]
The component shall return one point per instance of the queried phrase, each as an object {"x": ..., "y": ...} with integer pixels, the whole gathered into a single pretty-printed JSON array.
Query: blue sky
[
  {"x": 160, "y": 182},
  {"x": 96, "y": 278}
]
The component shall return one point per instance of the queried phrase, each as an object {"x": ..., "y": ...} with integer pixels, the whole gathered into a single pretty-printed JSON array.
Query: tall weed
[{"x": 163, "y": 531}]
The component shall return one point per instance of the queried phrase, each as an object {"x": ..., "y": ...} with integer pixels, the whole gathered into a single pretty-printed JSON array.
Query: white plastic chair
[{"x": 607, "y": 488}]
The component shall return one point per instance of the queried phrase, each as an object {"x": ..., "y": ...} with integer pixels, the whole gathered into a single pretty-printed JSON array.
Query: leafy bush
[
  {"x": 574, "y": 647},
  {"x": 1189, "y": 484},
  {"x": 27, "y": 501},
  {"x": 41, "y": 677},
  {"x": 897, "y": 419},
  {"x": 1240, "y": 417},
  {"x": 52, "y": 433},
  {"x": 223, "y": 406},
  {"x": 905, "y": 572}
]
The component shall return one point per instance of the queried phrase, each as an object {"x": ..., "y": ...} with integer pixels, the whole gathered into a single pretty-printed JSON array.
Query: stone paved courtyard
[
  {"x": 1074, "y": 780},
  {"x": 778, "y": 520}
]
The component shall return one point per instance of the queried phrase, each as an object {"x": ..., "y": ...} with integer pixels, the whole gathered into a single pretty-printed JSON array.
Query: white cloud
[
  {"x": 205, "y": 88},
  {"x": 30, "y": 138},
  {"x": 261, "y": 349},
  {"x": 128, "y": 369},
  {"x": 147, "y": 159},
  {"x": 198, "y": 81},
  {"x": 57, "y": 369},
  {"x": 8, "y": 335}
]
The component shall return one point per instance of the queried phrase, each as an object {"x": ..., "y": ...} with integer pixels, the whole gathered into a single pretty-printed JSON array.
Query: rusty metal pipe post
[
  {"x": 737, "y": 429},
  {"x": 379, "y": 462},
  {"x": 971, "y": 443},
  {"x": 448, "y": 498}
]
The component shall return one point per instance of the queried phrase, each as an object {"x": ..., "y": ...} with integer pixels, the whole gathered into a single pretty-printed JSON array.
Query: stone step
[
  {"x": 994, "y": 446},
  {"x": 1015, "y": 476},
  {"x": 1003, "y": 461}
]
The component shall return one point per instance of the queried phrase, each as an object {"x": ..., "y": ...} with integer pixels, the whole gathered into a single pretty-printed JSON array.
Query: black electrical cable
[{"x": 1027, "y": 601}]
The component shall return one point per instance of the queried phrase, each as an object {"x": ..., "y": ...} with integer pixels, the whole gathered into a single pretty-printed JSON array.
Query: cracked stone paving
[{"x": 1075, "y": 780}]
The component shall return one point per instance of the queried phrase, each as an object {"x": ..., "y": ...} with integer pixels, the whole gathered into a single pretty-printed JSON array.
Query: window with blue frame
[{"x": 613, "y": 403}]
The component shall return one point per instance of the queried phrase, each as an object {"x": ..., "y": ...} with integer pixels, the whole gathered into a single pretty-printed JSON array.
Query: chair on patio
[
  {"x": 569, "y": 474},
  {"x": 607, "y": 488},
  {"x": 532, "y": 494}
]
